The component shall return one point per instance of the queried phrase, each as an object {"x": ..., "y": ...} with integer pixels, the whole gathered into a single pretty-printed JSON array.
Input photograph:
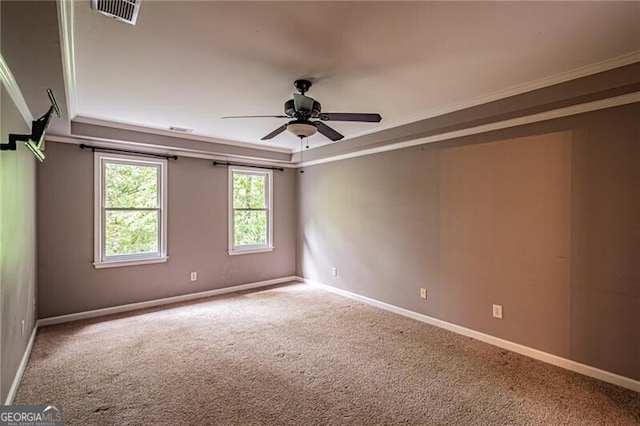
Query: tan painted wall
[
  {"x": 542, "y": 219},
  {"x": 17, "y": 245},
  {"x": 197, "y": 237}
]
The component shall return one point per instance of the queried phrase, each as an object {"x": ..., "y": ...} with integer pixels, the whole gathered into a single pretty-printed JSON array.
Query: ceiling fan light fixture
[
  {"x": 303, "y": 108},
  {"x": 302, "y": 129}
]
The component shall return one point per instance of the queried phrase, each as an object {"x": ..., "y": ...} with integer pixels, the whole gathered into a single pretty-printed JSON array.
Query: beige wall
[
  {"x": 197, "y": 237},
  {"x": 542, "y": 219},
  {"x": 17, "y": 245}
]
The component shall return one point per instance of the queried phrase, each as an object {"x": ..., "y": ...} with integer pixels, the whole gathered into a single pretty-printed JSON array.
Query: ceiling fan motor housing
[{"x": 290, "y": 110}]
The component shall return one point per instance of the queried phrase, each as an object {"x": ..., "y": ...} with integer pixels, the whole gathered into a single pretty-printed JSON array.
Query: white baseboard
[
  {"x": 159, "y": 302},
  {"x": 21, "y": 367},
  {"x": 577, "y": 367},
  {"x": 126, "y": 308}
]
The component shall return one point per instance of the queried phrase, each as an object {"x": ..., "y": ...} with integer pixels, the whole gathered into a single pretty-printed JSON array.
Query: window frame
[
  {"x": 100, "y": 258},
  {"x": 253, "y": 248}
]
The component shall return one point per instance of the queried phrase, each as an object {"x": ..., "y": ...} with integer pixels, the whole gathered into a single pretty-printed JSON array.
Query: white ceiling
[{"x": 189, "y": 63}]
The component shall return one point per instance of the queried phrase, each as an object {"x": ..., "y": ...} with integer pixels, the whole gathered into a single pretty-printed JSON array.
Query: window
[
  {"x": 130, "y": 210},
  {"x": 250, "y": 210}
]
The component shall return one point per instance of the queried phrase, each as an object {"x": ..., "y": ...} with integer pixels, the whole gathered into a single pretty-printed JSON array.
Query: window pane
[
  {"x": 250, "y": 227},
  {"x": 249, "y": 191},
  {"x": 128, "y": 185},
  {"x": 131, "y": 232}
]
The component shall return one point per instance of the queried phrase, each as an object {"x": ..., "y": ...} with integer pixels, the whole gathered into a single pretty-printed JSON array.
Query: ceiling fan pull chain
[{"x": 301, "y": 155}]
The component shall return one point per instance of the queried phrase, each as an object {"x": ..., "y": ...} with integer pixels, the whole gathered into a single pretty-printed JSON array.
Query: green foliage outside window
[
  {"x": 131, "y": 209},
  {"x": 250, "y": 215}
]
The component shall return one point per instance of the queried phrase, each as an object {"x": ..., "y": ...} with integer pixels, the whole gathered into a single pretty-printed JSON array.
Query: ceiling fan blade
[
  {"x": 302, "y": 103},
  {"x": 327, "y": 131},
  {"x": 257, "y": 116},
  {"x": 350, "y": 116},
  {"x": 275, "y": 133}
]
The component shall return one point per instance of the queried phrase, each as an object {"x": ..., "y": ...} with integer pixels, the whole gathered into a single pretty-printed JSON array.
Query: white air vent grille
[
  {"x": 122, "y": 10},
  {"x": 180, "y": 129}
]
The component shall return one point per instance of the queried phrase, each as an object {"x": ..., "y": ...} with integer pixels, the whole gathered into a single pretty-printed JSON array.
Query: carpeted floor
[{"x": 295, "y": 355}]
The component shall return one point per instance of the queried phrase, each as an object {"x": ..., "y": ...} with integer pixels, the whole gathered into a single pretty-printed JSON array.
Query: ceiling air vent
[
  {"x": 180, "y": 129},
  {"x": 122, "y": 10}
]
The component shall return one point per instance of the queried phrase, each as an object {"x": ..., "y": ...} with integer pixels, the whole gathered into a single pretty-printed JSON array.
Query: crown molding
[
  {"x": 499, "y": 125},
  {"x": 65, "y": 22},
  {"x": 160, "y": 149},
  {"x": 519, "y": 121},
  {"x": 154, "y": 131},
  {"x": 584, "y": 71},
  {"x": 12, "y": 87},
  {"x": 67, "y": 50}
]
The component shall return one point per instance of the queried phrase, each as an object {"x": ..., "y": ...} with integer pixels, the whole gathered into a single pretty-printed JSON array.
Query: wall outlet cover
[{"x": 497, "y": 311}]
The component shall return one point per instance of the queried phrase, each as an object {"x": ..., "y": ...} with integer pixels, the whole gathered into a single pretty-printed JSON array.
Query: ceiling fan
[{"x": 303, "y": 108}]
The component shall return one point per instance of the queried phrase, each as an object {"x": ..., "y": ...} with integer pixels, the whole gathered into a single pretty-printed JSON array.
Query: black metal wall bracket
[
  {"x": 30, "y": 142},
  {"x": 13, "y": 139},
  {"x": 35, "y": 140}
]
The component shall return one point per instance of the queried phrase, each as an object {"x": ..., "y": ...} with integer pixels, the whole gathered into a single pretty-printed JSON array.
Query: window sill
[
  {"x": 117, "y": 263},
  {"x": 250, "y": 251}
]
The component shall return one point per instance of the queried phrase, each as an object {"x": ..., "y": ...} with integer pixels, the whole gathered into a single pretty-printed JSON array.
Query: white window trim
[
  {"x": 256, "y": 248},
  {"x": 98, "y": 223}
]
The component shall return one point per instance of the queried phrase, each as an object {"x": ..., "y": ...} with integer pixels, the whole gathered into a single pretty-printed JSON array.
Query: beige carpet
[{"x": 295, "y": 355}]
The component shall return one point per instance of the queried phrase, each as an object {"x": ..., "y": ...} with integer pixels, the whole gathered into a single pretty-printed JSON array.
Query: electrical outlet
[
  {"x": 423, "y": 293},
  {"x": 22, "y": 330},
  {"x": 334, "y": 272},
  {"x": 497, "y": 311},
  {"x": 194, "y": 276}
]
